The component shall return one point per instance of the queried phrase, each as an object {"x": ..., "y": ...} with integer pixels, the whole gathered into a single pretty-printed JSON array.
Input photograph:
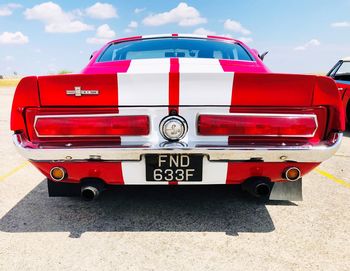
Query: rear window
[{"x": 174, "y": 47}]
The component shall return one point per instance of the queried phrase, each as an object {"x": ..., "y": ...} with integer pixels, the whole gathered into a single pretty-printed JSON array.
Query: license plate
[{"x": 174, "y": 167}]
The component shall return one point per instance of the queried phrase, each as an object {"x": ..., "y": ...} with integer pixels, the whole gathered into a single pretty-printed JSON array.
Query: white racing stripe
[
  {"x": 156, "y": 36},
  {"x": 200, "y": 65},
  {"x": 203, "y": 82},
  {"x": 145, "y": 83}
]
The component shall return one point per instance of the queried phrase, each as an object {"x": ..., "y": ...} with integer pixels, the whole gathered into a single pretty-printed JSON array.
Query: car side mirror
[
  {"x": 262, "y": 56},
  {"x": 92, "y": 55},
  {"x": 256, "y": 52}
]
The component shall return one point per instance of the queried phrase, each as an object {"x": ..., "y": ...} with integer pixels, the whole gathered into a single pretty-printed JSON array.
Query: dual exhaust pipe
[
  {"x": 261, "y": 187},
  {"x": 90, "y": 193},
  {"x": 258, "y": 187},
  {"x": 92, "y": 189}
]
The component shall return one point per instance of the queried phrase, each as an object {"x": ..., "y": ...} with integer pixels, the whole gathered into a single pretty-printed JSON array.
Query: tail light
[
  {"x": 91, "y": 126},
  {"x": 60, "y": 124},
  {"x": 258, "y": 125}
]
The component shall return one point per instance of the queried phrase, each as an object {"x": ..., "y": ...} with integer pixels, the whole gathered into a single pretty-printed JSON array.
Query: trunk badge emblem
[
  {"x": 78, "y": 92},
  {"x": 173, "y": 128}
]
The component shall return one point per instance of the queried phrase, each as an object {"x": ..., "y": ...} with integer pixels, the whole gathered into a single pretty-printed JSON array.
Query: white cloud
[
  {"x": 7, "y": 10},
  {"x": 76, "y": 13},
  {"x": 132, "y": 26},
  {"x": 13, "y": 38},
  {"x": 104, "y": 31},
  {"x": 183, "y": 15},
  {"x": 227, "y": 36},
  {"x": 139, "y": 10},
  {"x": 102, "y": 11},
  {"x": 52, "y": 68},
  {"x": 203, "y": 32},
  {"x": 9, "y": 58},
  {"x": 237, "y": 27},
  {"x": 103, "y": 35},
  {"x": 14, "y": 5},
  {"x": 68, "y": 27},
  {"x": 55, "y": 19},
  {"x": 311, "y": 43},
  {"x": 4, "y": 11},
  {"x": 206, "y": 32},
  {"x": 341, "y": 24},
  {"x": 245, "y": 39}
]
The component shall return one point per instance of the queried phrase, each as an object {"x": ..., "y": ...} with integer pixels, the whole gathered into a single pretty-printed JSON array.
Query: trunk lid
[{"x": 176, "y": 82}]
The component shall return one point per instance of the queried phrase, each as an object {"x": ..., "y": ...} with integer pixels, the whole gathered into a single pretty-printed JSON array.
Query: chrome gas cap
[{"x": 173, "y": 128}]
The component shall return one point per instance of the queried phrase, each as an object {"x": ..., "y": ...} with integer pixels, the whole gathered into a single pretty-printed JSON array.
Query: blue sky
[{"x": 40, "y": 37}]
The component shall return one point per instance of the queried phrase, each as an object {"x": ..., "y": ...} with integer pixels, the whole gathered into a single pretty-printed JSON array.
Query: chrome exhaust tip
[
  {"x": 262, "y": 190},
  {"x": 258, "y": 187},
  {"x": 90, "y": 193}
]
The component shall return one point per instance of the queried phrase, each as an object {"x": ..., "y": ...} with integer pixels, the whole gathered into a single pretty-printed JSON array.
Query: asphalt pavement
[{"x": 171, "y": 228}]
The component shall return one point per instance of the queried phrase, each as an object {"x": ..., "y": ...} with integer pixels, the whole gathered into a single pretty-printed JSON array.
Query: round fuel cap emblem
[{"x": 173, "y": 128}]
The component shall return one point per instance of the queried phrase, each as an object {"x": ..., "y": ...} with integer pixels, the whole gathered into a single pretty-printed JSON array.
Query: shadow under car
[{"x": 138, "y": 209}]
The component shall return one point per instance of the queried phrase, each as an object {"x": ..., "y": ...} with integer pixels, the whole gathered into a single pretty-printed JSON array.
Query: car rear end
[{"x": 175, "y": 121}]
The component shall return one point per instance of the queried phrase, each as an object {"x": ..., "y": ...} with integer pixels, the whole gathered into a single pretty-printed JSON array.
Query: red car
[
  {"x": 341, "y": 74},
  {"x": 177, "y": 110}
]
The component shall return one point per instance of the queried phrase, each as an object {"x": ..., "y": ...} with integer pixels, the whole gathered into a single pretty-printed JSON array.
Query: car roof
[
  {"x": 346, "y": 58},
  {"x": 223, "y": 38}
]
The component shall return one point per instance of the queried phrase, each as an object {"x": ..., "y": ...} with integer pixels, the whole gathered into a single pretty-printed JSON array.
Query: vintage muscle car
[
  {"x": 177, "y": 109},
  {"x": 341, "y": 74}
]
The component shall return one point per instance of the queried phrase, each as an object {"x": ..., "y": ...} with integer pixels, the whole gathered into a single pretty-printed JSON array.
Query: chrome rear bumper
[{"x": 305, "y": 153}]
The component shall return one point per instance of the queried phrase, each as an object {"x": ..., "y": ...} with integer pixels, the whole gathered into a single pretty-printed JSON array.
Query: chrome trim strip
[
  {"x": 301, "y": 116},
  {"x": 306, "y": 153}
]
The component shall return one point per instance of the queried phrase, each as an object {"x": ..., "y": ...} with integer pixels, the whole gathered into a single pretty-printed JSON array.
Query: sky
[{"x": 44, "y": 37}]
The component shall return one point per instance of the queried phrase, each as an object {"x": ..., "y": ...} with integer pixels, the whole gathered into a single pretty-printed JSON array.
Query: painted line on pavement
[
  {"x": 333, "y": 178},
  {"x": 13, "y": 171}
]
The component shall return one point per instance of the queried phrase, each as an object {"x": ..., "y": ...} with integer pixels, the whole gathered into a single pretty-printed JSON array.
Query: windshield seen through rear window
[{"x": 174, "y": 47}]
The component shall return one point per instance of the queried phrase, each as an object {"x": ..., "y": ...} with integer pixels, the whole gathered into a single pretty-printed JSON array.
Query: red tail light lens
[
  {"x": 264, "y": 125},
  {"x": 99, "y": 125}
]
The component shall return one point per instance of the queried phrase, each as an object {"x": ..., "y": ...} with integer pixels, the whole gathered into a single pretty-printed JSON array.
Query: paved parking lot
[{"x": 171, "y": 228}]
